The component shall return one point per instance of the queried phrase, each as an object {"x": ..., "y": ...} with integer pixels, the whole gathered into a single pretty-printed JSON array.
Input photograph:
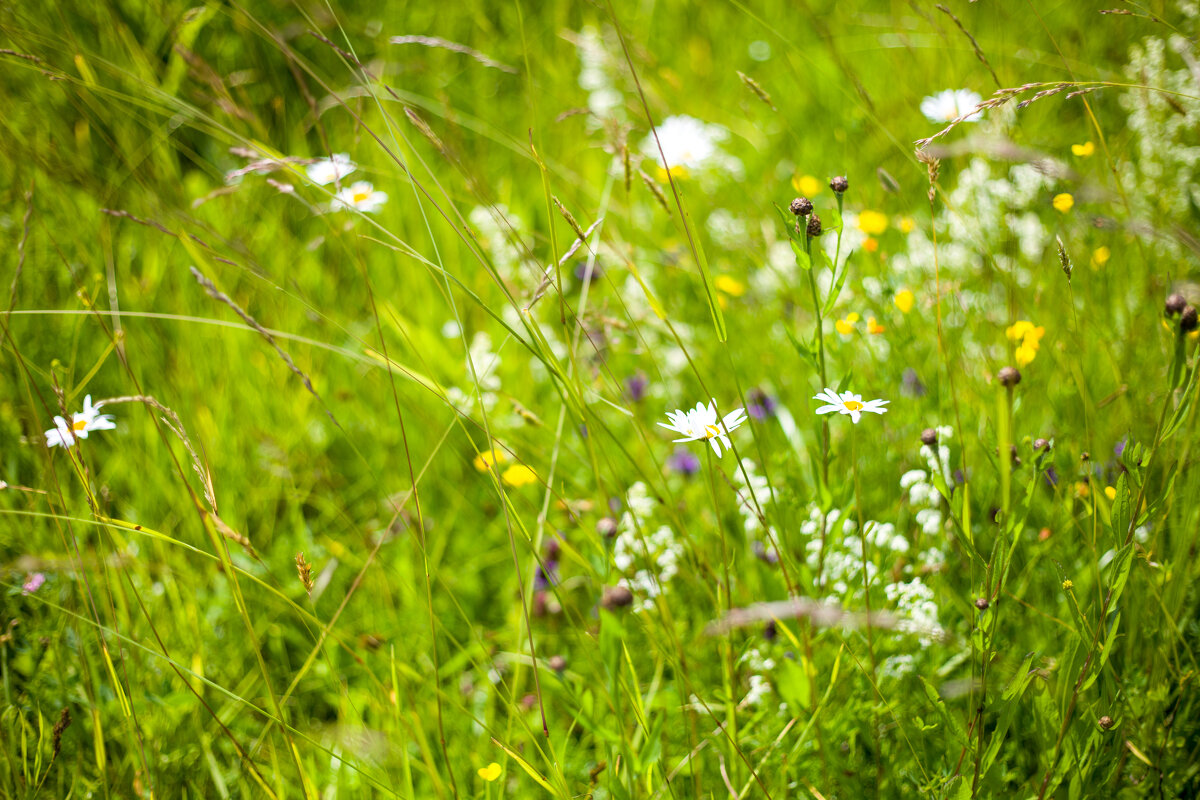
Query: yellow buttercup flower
[
  {"x": 845, "y": 326},
  {"x": 491, "y": 772},
  {"x": 806, "y": 185},
  {"x": 1028, "y": 338},
  {"x": 484, "y": 461},
  {"x": 1100, "y": 256},
  {"x": 1063, "y": 202},
  {"x": 730, "y": 286},
  {"x": 872, "y": 223},
  {"x": 1083, "y": 150},
  {"x": 907, "y": 225},
  {"x": 904, "y": 300},
  {"x": 1110, "y": 492},
  {"x": 518, "y": 475}
]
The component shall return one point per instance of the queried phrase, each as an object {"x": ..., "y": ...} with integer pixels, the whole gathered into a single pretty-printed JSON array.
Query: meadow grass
[{"x": 376, "y": 498}]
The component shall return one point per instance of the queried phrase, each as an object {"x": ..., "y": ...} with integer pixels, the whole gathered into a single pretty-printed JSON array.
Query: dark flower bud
[
  {"x": 814, "y": 226},
  {"x": 616, "y": 597},
  {"x": 769, "y": 632},
  {"x": 981, "y": 603},
  {"x": 1008, "y": 376},
  {"x": 1085, "y": 456},
  {"x": 558, "y": 663},
  {"x": 1106, "y": 722},
  {"x": 1040, "y": 444},
  {"x": 552, "y": 549},
  {"x": 801, "y": 206},
  {"x": 1189, "y": 320},
  {"x": 607, "y": 527},
  {"x": 929, "y": 437},
  {"x": 1175, "y": 305},
  {"x": 839, "y": 184}
]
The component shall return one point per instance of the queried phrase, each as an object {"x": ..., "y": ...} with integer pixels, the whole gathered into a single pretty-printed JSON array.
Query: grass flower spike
[
  {"x": 86, "y": 421},
  {"x": 849, "y": 403},
  {"x": 702, "y": 423}
]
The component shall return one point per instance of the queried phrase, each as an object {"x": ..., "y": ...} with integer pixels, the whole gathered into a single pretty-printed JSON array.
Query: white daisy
[
  {"x": 328, "y": 170},
  {"x": 686, "y": 142},
  {"x": 90, "y": 419},
  {"x": 702, "y": 422},
  {"x": 949, "y": 105},
  {"x": 362, "y": 196},
  {"x": 849, "y": 403}
]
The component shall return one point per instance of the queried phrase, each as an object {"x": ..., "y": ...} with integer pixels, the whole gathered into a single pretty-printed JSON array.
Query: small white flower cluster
[
  {"x": 752, "y": 486},
  {"x": 497, "y": 227},
  {"x": 486, "y": 365},
  {"x": 918, "y": 611},
  {"x": 760, "y": 684},
  {"x": 648, "y": 560},
  {"x": 923, "y": 495},
  {"x": 596, "y": 69}
]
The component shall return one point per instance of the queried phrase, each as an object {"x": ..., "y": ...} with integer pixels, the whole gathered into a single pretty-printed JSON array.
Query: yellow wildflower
[
  {"x": 806, "y": 185},
  {"x": 1083, "y": 150},
  {"x": 518, "y": 475},
  {"x": 679, "y": 172},
  {"x": 873, "y": 327},
  {"x": 872, "y": 223},
  {"x": 845, "y": 326},
  {"x": 907, "y": 225},
  {"x": 728, "y": 285},
  {"x": 1068, "y": 585},
  {"x": 904, "y": 300},
  {"x": 491, "y": 772},
  {"x": 1029, "y": 337},
  {"x": 1110, "y": 492},
  {"x": 484, "y": 461},
  {"x": 870, "y": 244},
  {"x": 1025, "y": 354},
  {"x": 1063, "y": 202},
  {"x": 1100, "y": 256}
]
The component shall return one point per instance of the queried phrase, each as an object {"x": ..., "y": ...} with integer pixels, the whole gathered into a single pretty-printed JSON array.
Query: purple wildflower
[
  {"x": 759, "y": 404},
  {"x": 581, "y": 271},
  {"x": 684, "y": 461},
  {"x": 1120, "y": 448},
  {"x": 33, "y": 583},
  {"x": 635, "y": 386},
  {"x": 1052, "y": 476}
]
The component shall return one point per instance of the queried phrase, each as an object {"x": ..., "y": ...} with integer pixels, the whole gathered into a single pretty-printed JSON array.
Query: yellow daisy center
[
  {"x": 79, "y": 425},
  {"x": 853, "y": 405},
  {"x": 361, "y": 196},
  {"x": 711, "y": 430}
]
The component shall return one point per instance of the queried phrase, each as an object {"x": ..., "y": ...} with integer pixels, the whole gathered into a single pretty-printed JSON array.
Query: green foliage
[{"x": 385, "y": 499}]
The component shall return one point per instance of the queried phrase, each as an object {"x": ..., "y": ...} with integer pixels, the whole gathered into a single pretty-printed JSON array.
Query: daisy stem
[
  {"x": 812, "y": 284},
  {"x": 862, "y": 534},
  {"x": 727, "y": 667}
]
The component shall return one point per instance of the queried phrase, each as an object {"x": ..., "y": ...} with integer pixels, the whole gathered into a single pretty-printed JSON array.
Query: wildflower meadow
[{"x": 611, "y": 400}]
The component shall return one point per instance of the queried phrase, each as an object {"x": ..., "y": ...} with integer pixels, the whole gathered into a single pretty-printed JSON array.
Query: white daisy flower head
[
  {"x": 327, "y": 170},
  {"x": 361, "y": 196},
  {"x": 849, "y": 403},
  {"x": 90, "y": 419},
  {"x": 949, "y": 105},
  {"x": 686, "y": 142},
  {"x": 702, "y": 422}
]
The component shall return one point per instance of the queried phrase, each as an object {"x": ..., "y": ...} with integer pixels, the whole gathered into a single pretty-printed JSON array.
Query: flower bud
[
  {"x": 557, "y": 663},
  {"x": 839, "y": 184},
  {"x": 929, "y": 437},
  {"x": 814, "y": 226},
  {"x": 1008, "y": 376},
  {"x": 1189, "y": 320},
  {"x": 616, "y": 597},
  {"x": 981, "y": 603},
  {"x": 801, "y": 207},
  {"x": 1040, "y": 444},
  {"x": 607, "y": 527},
  {"x": 1106, "y": 722},
  {"x": 1175, "y": 304}
]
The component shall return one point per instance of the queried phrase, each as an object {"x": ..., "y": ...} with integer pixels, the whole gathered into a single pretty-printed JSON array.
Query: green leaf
[
  {"x": 803, "y": 261},
  {"x": 794, "y": 686},
  {"x": 1122, "y": 565},
  {"x": 837, "y": 289},
  {"x": 1121, "y": 510}
]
